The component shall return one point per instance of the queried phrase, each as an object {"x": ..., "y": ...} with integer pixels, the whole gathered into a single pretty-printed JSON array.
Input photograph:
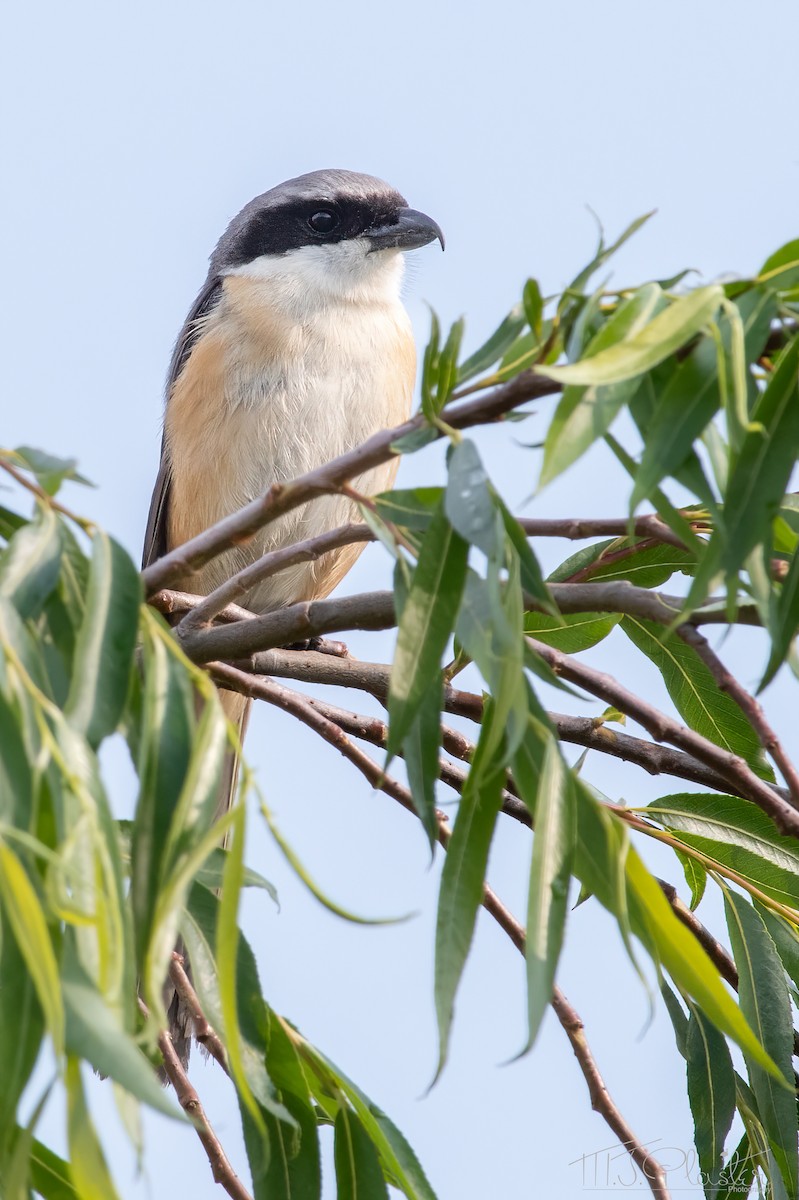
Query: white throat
[{"x": 318, "y": 277}]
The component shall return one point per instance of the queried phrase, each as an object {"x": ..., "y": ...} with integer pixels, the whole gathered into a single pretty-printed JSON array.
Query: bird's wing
[{"x": 156, "y": 534}]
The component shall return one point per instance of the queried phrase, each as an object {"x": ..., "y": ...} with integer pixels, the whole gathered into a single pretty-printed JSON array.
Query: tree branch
[
  {"x": 283, "y": 497},
  {"x": 581, "y": 528},
  {"x": 203, "y": 1031},
  {"x": 209, "y": 607},
  {"x": 663, "y": 728},
  {"x": 375, "y": 610},
  {"x": 311, "y": 667},
  {"x": 270, "y": 564},
  {"x": 748, "y": 706},
  {"x": 189, "y": 1100},
  {"x": 601, "y": 1100}
]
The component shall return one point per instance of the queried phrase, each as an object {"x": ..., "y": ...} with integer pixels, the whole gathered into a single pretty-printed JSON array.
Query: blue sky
[{"x": 132, "y": 135}]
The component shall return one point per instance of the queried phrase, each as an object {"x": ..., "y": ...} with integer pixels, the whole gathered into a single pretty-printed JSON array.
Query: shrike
[{"x": 297, "y": 349}]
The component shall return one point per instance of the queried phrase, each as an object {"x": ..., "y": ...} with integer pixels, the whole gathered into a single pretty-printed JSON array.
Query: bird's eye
[{"x": 324, "y": 221}]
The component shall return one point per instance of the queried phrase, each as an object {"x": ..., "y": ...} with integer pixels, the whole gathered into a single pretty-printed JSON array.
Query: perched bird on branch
[{"x": 297, "y": 349}]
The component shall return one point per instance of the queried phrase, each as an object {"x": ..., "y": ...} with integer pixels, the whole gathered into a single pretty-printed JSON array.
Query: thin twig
[
  {"x": 748, "y": 706},
  {"x": 284, "y": 497},
  {"x": 601, "y": 1100},
  {"x": 172, "y": 602},
  {"x": 664, "y": 729},
  {"x": 31, "y": 486},
  {"x": 189, "y": 1100},
  {"x": 652, "y": 757},
  {"x": 270, "y": 564},
  {"x": 204, "y": 1032},
  {"x": 581, "y": 528}
]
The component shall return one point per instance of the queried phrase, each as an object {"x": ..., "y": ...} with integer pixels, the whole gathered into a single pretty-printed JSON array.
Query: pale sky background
[{"x": 132, "y": 134}]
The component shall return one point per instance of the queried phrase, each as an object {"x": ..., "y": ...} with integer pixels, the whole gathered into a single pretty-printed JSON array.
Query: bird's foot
[{"x": 322, "y": 646}]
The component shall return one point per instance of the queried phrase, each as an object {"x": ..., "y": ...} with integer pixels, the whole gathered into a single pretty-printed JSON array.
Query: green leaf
[
  {"x": 522, "y": 353},
  {"x": 493, "y": 349},
  {"x": 550, "y": 872},
  {"x": 104, "y": 653},
  {"x": 692, "y": 397},
  {"x": 399, "y": 1162},
  {"x": 737, "y": 1175},
  {"x": 10, "y": 522},
  {"x": 574, "y": 632},
  {"x": 358, "y": 1173},
  {"x": 167, "y": 727},
  {"x": 672, "y": 516},
  {"x": 412, "y": 509},
  {"x": 50, "y": 1176},
  {"x": 530, "y": 573},
  {"x": 488, "y": 628},
  {"x": 448, "y": 364},
  {"x": 468, "y": 501},
  {"x": 760, "y": 476},
  {"x": 302, "y": 873},
  {"x": 784, "y": 622},
  {"x": 785, "y": 938},
  {"x": 16, "y": 777},
  {"x": 737, "y": 834},
  {"x": 29, "y": 926},
  {"x": 211, "y": 873},
  {"x": 430, "y": 368},
  {"x": 678, "y": 1018},
  {"x": 95, "y": 1034},
  {"x": 30, "y": 563},
  {"x": 648, "y": 567},
  {"x": 88, "y": 1166},
  {"x": 781, "y": 269},
  {"x": 583, "y": 415},
  {"x": 695, "y": 693},
  {"x": 291, "y": 1169},
  {"x": 688, "y": 964},
  {"x": 425, "y": 625},
  {"x": 227, "y": 936},
  {"x": 602, "y": 255},
  {"x": 670, "y": 330},
  {"x": 200, "y": 932},
  {"x": 764, "y": 1000},
  {"x": 695, "y": 877},
  {"x": 420, "y": 751},
  {"x": 711, "y": 1091},
  {"x": 417, "y": 439},
  {"x": 198, "y": 802},
  {"x": 612, "y": 870},
  {"x": 462, "y": 878},
  {"x": 533, "y": 306},
  {"x": 21, "y": 1029},
  {"x": 49, "y": 470}
]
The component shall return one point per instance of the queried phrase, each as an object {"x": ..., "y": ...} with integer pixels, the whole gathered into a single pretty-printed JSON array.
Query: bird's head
[{"x": 335, "y": 233}]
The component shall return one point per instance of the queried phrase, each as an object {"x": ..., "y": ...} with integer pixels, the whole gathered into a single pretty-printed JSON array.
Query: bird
[{"x": 297, "y": 349}]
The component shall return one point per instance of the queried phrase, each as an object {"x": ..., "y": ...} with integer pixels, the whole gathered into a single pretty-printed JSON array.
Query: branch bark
[
  {"x": 189, "y": 1100},
  {"x": 375, "y": 610},
  {"x": 601, "y": 1099},
  {"x": 664, "y": 729}
]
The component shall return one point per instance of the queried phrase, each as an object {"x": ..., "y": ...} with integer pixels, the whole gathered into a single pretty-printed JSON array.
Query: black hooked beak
[{"x": 411, "y": 230}]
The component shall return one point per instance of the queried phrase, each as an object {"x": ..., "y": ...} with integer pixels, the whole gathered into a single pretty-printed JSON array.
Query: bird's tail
[{"x": 179, "y": 1018}]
